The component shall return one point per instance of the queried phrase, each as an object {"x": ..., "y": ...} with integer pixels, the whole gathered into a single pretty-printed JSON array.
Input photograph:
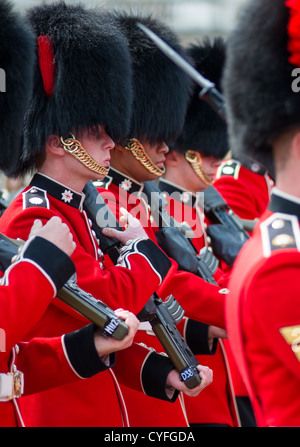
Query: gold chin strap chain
[
  {"x": 74, "y": 147},
  {"x": 137, "y": 150},
  {"x": 194, "y": 158}
]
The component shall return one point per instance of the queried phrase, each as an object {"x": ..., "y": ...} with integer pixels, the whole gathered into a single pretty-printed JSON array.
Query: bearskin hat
[
  {"x": 82, "y": 76},
  {"x": 258, "y": 79},
  {"x": 16, "y": 63},
  {"x": 204, "y": 131},
  {"x": 161, "y": 89}
]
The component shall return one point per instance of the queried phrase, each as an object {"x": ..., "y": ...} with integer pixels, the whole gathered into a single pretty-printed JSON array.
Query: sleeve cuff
[
  {"x": 196, "y": 335},
  {"x": 51, "y": 259},
  {"x": 82, "y": 353},
  {"x": 154, "y": 377}
]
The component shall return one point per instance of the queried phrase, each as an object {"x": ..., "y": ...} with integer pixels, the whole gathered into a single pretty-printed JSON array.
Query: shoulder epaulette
[
  {"x": 280, "y": 231},
  {"x": 35, "y": 197},
  {"x": 229, "y": 168}
]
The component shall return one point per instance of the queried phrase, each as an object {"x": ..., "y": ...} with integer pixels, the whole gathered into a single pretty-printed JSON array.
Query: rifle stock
[
  {"x": 162, "y": 319},
  {"x": 94, "y": 310},
  {"x": 174, "y": 242},
  {"x": 155, "y": 311},
  {"x": 218, "y": 212},
  {"x": 227, "y": 231}
]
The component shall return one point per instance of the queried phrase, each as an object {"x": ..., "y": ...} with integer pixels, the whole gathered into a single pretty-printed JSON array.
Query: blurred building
[{"x": 191, "y": 19}]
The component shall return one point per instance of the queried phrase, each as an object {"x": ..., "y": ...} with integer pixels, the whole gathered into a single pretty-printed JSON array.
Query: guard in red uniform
[
  {"x": 158, "y": 114},
  {"x": 262, "y": 310},
  {"x": 72, "y": 95},
  {"x": 191, "y": 165},
  {"x": 42, "y": 265}
]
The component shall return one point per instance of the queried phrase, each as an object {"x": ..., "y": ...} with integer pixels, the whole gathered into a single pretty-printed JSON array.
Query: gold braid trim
[
  {"x": 194, "y": 158},
  {"x": 139, "y": 153},
  {"x": 74, "y": 147}
]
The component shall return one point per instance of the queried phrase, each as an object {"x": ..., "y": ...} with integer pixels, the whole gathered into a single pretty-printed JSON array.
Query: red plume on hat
[
  {"x": 293, "y": 29},
  {"x": 46, "y": 63}
]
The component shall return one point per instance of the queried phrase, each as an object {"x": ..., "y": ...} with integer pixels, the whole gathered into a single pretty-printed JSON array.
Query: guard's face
[
  {"x": 98, "y": 145},
  {"x": 210, "y": 166},
  {"x": 156, "y": 152},
  {"x": 192, "y": 182},
  {"x": 93, "y": 156},
  {"x": 124, "y": 161}
]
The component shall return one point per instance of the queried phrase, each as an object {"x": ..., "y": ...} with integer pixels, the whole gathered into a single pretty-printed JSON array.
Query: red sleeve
[
  {"x": 201, "y": 301},
  {"x": 129, "y": 284},
  {"x": 144, "y": 370},
  {"x": 238, "y": 196},
  {"x": 23, "y": 300},
  {"x": 44, "y": 364}
]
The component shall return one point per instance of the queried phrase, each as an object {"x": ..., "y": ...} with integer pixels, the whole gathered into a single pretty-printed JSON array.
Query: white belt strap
[{"x": 11, "y": 385}]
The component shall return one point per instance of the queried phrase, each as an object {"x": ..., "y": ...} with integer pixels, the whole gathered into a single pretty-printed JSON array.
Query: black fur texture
[
  {"x": 204, "y": 131},
  {"x": 161, "y": 89},
  {"x": 92, "y": 77},
  {"x": 258, "y": 79},
  {"x": 16, "y": 59}
]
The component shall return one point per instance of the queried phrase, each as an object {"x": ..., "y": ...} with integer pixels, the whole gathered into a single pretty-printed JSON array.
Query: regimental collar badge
[
  {"x": 67, "y": 196},
  {"x": 186, "y": 197},
  {"x": 183, "y": 196},
  {"x": 126, "y": 184}
]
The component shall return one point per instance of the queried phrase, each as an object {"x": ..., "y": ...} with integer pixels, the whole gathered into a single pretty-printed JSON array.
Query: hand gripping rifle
[
  {"x": 94, "y": 310},
  {"x": 162, "y": 315},
  {"x": 173, "y": 241}
]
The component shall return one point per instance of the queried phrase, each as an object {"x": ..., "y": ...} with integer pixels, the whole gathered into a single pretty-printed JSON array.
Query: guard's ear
[
  {"x": 54, "y": 145},
  {"x": 172, "y": 158}
]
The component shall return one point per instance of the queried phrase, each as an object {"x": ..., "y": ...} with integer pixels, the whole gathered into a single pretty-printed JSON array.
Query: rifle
[
  {"x": 94, "y": 310},
  {"x": 174, "y": 242},
  {"x": 163, "y": 316},
  {"x": 227, "y": 231},
  {"x": 218, "y": 212}
]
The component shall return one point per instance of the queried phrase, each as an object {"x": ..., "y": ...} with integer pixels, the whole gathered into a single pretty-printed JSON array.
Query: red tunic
[
  {"x": 97, "y": 401},
  {"x": 246, "y": 190},
  {"x": 208, "y": 305},
  {"x": 180, "y": 284},
  {"x": 19, "y": 312},
  {"x": 263, "y": 314},
  {"x": 218, "y": 399}
]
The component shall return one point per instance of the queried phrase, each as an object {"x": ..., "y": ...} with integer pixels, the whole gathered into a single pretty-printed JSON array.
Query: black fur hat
[
  {"x": 82, "y": 76},
  {"x": 258, "y": 80},
  {"x": 204, "y": 131},
  {"x": 161, "y": 89},
  {"x": 16, "y": 63}
]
